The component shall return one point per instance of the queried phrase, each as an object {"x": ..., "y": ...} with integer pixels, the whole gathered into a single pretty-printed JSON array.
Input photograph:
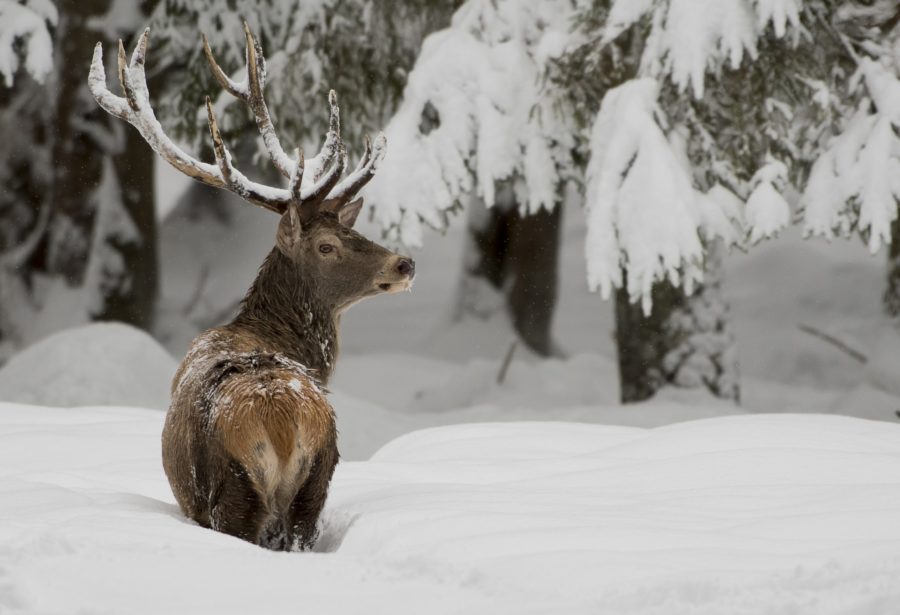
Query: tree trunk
[
  {"x": 686, "y": 341},
  {"x": 511, "y": 264},
  {"x": 891, "y": 297},
  {"x": 129, "y": 295},
  {"x": 103, "y": 235},
  {"x": 76, "y": 163}
]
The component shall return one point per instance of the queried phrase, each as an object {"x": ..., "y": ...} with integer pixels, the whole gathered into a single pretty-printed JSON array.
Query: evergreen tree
[
  {"x": 712, "y": 116},
  {"x": 362, "y": 49},
  {"x": 871, "y": 31},
  {"x": 97, "y": 259},
  {"x": 478, "y": 129}
]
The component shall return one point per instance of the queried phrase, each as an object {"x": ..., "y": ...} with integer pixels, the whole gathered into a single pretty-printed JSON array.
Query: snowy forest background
[
  {"x": 630, "y": 213},
  {"x": 658, "y": 138}
]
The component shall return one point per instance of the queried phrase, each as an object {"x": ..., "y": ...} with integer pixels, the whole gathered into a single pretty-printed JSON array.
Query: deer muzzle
[{"x": 398, "y": 276}]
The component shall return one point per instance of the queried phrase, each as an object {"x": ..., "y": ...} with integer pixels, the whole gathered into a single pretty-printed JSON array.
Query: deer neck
[{"x": 282, "y": 308}]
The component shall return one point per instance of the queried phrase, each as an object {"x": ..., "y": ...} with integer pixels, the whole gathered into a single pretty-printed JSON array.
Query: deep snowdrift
[
  {"x": 101, "y": 364},
  {"x": 745, "y": 514}
]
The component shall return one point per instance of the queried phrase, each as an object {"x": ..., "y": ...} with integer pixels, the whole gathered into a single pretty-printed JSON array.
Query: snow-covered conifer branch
[
  {"x": 855, "y": 183},
  {"x": 25, "y": 39},
  {"x": 641, "y": 205},
  {"x": 474, "y": 113}
]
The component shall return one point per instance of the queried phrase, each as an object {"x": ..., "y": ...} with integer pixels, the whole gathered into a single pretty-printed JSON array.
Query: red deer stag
[{"x": 249, "y": 444}]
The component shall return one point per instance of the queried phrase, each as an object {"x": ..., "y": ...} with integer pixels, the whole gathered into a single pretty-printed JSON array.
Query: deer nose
[{"x": 407, "y": 266}]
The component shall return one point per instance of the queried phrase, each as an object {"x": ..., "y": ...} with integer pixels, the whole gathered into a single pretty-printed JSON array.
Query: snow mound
[
  {"x": 745, "y": 514},
  {"x": 882, "y": 370},
  {"x": 382, "y": 396},
  {"x": 107, "y": 364}
]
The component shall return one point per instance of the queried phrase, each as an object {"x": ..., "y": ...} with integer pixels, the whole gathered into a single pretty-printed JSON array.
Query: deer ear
[
  {"x": 289, "y": 230},
  {"x": 346, "y": 213},
  {"x": 350, "y": 212}
]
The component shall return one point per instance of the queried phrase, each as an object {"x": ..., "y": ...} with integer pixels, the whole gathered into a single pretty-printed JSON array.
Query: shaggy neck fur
[{"x": 282, "y": 308}]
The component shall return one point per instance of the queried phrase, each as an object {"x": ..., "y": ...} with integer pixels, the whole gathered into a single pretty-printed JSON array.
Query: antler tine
[
  {"x": 297, "y": 177},
  {"x": 332, "y": 143},
  {"x": 235, "y": 89},
  {"x": 127, "y": 90},
  {"x": 256, "y": 64},
  {"x": 135, "y": 109},
  {"x": 347, "y": 190},
  {"x": 251, "y": 93},
  {"x": 223, "y": 156},
  {"x": 320, "y": 191},
  {"x": 139, "y": 55}
]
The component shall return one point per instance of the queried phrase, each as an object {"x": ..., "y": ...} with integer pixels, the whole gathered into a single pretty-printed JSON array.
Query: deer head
[
  {"x": 318, "y": 206},
  {"x": 344, "y": 266}
]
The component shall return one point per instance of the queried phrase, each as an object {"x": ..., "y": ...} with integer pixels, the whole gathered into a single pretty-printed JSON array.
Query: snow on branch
[
  {"x": 856, "y": 181},
  {"x": 25, "y": 35},
  {"x": 854, "y": 184},
  {"x": 767, "y": 211},
  {"x": 687, "y": 38},
  {"x": 642, "y": 209},
  {"x": 475, "y": 113}
]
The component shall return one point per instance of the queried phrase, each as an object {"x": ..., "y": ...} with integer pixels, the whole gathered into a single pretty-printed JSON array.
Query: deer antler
[{"x": 310, "y": 185}]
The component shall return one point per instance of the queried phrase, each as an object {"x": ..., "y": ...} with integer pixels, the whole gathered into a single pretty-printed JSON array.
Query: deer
[{"x": 249, "y": 443}]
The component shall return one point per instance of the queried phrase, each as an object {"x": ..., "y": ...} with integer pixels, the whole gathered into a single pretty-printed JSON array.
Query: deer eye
[{"x": 326, "y": 248}]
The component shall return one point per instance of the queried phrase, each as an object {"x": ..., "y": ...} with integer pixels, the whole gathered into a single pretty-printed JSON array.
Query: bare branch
[
  {"x": 840, "y": 345},
  {"x": 507, "y": 360}
]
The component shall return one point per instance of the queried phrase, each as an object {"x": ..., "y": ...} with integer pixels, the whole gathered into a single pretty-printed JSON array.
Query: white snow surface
[
  {"x": 25, "y": 40},
  {"x": 97, "y": 364},
  {"x": 749, "y": 514}
]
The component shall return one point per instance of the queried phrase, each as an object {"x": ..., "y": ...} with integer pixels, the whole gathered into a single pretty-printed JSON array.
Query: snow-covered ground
[{"x": 746, "y": 514}]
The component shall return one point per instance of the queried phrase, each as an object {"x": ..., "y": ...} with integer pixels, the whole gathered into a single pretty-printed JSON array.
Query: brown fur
[
  {"x": 250, "y": 442},
  {"x": 274, "y": 430}
]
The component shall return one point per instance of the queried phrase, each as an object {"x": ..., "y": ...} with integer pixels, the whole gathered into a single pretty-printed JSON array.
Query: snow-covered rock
[
  {"x": 97, "y": 364},
  {"x": 749, "y": 514}
]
